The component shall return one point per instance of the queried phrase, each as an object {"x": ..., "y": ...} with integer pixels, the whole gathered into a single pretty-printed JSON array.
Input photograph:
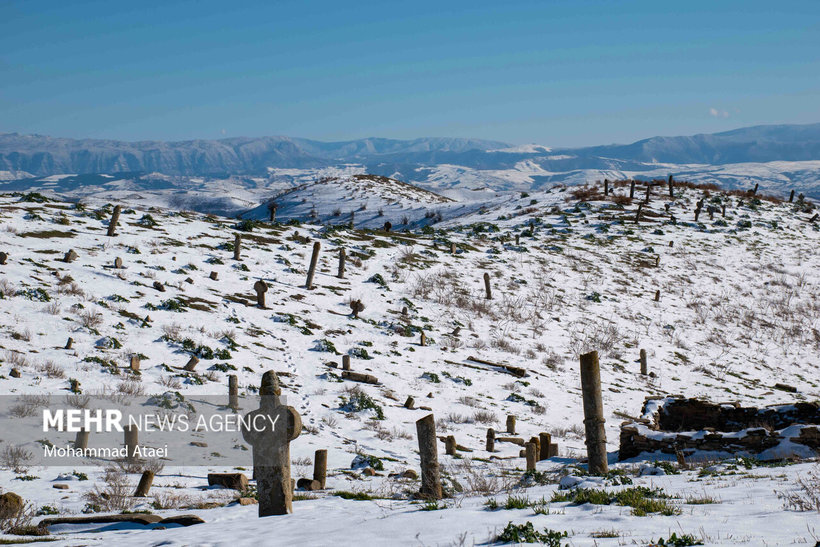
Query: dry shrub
[
  {"x": 115, "y": 494},
  {"x": 806, "y": 494},
  {"x": 16, "y": 458},
  {"x": 51, "y": 370}
]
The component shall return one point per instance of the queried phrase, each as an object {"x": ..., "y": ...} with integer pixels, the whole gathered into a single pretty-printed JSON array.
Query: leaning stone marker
[
  {"x": 275, "y": 426},
  {"x": 314, "y": 259},
  {"x": 115, "y": 217},
  {"x": 320, "y": 467},
  {"x": 144, "y": 486}
]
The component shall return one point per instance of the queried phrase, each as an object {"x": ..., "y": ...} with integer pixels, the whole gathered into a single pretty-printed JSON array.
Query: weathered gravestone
[
  {"x": 261, "y": 288},
  {"x": 269, "y": 430}
]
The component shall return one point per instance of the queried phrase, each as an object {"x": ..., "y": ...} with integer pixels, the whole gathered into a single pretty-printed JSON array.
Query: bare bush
[
  {"x": 90, "y": 319},
  {"x": 806, "y": 493},
  {"x": 16, "y": 458},
  {"x": 51, "y": 370},
  {"x": 115, "y": 495}
]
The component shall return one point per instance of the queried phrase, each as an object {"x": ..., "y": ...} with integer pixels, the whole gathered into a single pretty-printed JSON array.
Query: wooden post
[
  {"x": 320, "y": 467},
  {"x": 491, "y": 440},
  {"x": 272, "y": 210},
  {"x": 81, "y": 440},
  {"x": 237, "y": 246},
  {"x": 657, "y": 296},
  {"x": 648, "y": 190},
  {"x": 452, "y": 248},
  {"x": 754, "y": 192},
  {"x": 314, "y": 258},
  {"x": 135, "y": 362},
  {"x": 671, "y": 191},
  {"x": 530, "y": 455},
  {"x": 723, "y": 210},
  {"x": 430, "y": 477},
  {"x": 632, "y": 189},
  {"x": 638, "y": 214},
  {"x": 593, "y": 413},
  {"x": 144, "y": 486},
  {"x": 511, "y": 424},
  {"x": 450, "y": 445},
  {"x": 517, "y": 239},
  {"x": 606, "y": 187},
  {"x": 341, "y": 274},
  {"x": 345, "y": 362},
  {"x": 487, "y": 288},
  {"x": 643, "y": 362},
  {"x": 115, "y": 217},
  {"x": 697, "y": 212},
  {"x": 233, "y": 392},
  {"x": 546, "y": 441},
  {"x": 131, "y": 441},
  {"x": 791, "y": 197}
]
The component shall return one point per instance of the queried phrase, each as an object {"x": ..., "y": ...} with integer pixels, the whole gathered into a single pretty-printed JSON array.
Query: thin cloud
[{"x": 715, "y": 113}]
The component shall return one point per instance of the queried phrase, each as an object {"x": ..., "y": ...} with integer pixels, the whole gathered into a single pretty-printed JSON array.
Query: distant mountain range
[{"x": 38, "y": 155}]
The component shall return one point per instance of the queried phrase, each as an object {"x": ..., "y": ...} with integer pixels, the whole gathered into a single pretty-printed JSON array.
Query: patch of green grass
[
  {"x": 526, "y": 533},
  {"x": 358, "y": 496}
]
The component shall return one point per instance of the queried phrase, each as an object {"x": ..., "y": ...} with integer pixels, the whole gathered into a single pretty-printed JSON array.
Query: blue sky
[{"x": 560, "y": 73}]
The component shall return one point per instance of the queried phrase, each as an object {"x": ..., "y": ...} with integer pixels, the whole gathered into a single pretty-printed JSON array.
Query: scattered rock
[
  {"x": 234, "y": 481},
  {"x": 159, "y": 286},
  {"x": 136, "y": 518},
  {"x": 183, "y": 520},
  {"x": 248, "y": 501},
  {"x": 10, "y": 505},
  {"x": 60, "y": 486},
  {"x": 200, "y": 444},
  {"x": 14, "y": 373},
  {"x": 369, "y": 472},
  {"x": 410, "y": 474}
]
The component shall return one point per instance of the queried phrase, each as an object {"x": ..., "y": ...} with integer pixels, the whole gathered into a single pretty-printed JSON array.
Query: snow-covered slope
[{"x": 737, "y": 315}]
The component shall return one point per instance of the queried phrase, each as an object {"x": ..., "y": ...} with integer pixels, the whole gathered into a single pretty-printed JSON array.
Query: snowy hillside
[{"x": 737, "y": 314}]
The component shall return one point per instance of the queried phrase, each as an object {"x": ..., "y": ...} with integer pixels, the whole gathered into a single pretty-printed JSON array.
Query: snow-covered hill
[{"x": 737, "y": 314}]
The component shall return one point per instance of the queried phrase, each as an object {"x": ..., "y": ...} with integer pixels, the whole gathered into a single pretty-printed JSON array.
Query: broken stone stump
[
  {"x": 3, "y": 258},
  {"x": 345, "y": 362},
  {"x": 644, "y": 367},
  {"x": 70, "y": 256},
  {"x": 159, "y": 286},
  {"x": 192, "y": 363},
  {"x": 131, "y": 434},
  {"x": 214, "y": 276},
  {"x": 487, "y": 288},
  {"x": 308, "y": 484},
  {"x": 530, "y": 450},
  {"x": 450, "y": 445},
  {"x": 69, "y": 343},
  {"x": 81, "y": 440},
  {"x": 511, "y": 424},
  {"x": 423, "y": 339},
  {"x": 545, "y": 442},
  {"x": 320, "y": 467},
  {"x": 144, "y": 485},
  {"x": 234, "y": 481},
  {"x": 135, "y": 363},
  {"x": 428, "y": 452},
  {"x": 118, "y": 263},
  {"x": 409, "y": 403}
]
